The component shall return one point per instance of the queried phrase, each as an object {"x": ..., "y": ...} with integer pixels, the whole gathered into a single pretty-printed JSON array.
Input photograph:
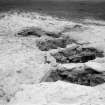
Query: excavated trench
[{"x": 79, "y": 54}]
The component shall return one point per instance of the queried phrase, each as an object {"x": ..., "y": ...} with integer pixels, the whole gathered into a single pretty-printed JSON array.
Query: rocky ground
[{"x": 49, "y": 61}]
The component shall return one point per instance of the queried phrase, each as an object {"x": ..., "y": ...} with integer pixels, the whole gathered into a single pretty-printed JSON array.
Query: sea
[{"x": 68, "y": 10}]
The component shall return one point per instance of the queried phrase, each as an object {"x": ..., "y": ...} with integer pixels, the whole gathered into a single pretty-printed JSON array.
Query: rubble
[
  {"x": 77, "y": 55},
  {"x": 48, "y": 44}
]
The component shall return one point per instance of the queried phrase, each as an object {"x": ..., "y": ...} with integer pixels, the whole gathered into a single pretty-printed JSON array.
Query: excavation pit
[{"x": 88, "y": 78}]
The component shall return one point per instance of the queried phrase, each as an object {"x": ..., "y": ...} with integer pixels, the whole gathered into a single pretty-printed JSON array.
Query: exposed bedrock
[
  {"x": 57, "y": 93},
  {"x": 77, "y": 55}
]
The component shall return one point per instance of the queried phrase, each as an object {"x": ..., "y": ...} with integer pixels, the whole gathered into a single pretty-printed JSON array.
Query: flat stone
[
  {"x": 96, "y": 66},
  {"x": 71, "y": 66}
]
